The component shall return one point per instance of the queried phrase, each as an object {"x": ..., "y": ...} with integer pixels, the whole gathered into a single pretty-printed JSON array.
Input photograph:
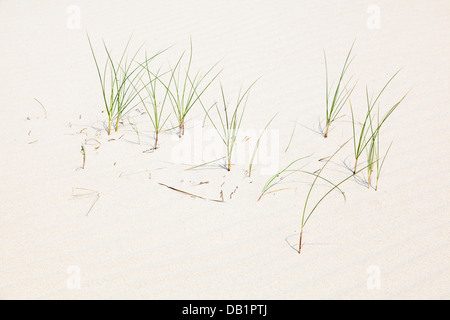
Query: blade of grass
[
  {"x": 45, "y": 111},
  {"x": 334, "y": 106},
  {"x": 276, "y": 175},
  {"x": 290, "y": 140},
  {"x": 305, "y": 172},
  {"x": 257, "y": 146},
  {"x": 381, "y": 165},
  {"x": 304, "y": 221},
  {"x": 311, "y": 188}
]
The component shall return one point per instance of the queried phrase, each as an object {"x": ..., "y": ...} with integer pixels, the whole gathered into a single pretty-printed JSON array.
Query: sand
[{"x": 112, "y": 231}]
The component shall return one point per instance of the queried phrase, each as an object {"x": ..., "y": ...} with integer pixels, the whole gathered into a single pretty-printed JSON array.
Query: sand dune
[{"x": 113, "y": 231}]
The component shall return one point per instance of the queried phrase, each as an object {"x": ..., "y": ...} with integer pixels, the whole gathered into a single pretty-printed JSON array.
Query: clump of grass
[
  {"x": 185, "y": 90},
  {"x": 336, "y": 99},
  {"x": 153, "y": 107},
  {"x": 250, "y": 166},
  {"x": 230, "y": 120},
  {"x": 368, "y": 134},
  {"x": 373, "y": 155},
  {"x": 117, "y": 83}
]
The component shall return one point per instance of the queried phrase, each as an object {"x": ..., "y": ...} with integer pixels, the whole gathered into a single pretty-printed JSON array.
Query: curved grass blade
[
  {"x": 276, "y": 175},
  {"x": 257, "y": 146}
]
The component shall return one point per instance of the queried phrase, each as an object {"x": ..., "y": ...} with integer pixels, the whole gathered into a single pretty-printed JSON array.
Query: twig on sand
[
  {"x": 83, "y": 152},
  {"x": 189, "y": 194},
  {"x": 45, "y": 111},
  {"x": 79, "y": 193}
]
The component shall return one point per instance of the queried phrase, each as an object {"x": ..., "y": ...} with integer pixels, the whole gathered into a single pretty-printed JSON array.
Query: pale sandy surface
[{"x": 142, "y": 240}]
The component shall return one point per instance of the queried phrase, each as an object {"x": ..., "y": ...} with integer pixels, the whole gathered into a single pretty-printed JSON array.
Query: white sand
[{"x": 142, "y": 240}]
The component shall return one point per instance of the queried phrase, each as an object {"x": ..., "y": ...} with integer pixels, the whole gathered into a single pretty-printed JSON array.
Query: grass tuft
[
  {"x": 368, "y": 134},
  {"x": 152, "y": 104},
  {"x": 185, "y": 90},
  {"x": 230, "y": 120},
  {"x": 117, "y": 82}
]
